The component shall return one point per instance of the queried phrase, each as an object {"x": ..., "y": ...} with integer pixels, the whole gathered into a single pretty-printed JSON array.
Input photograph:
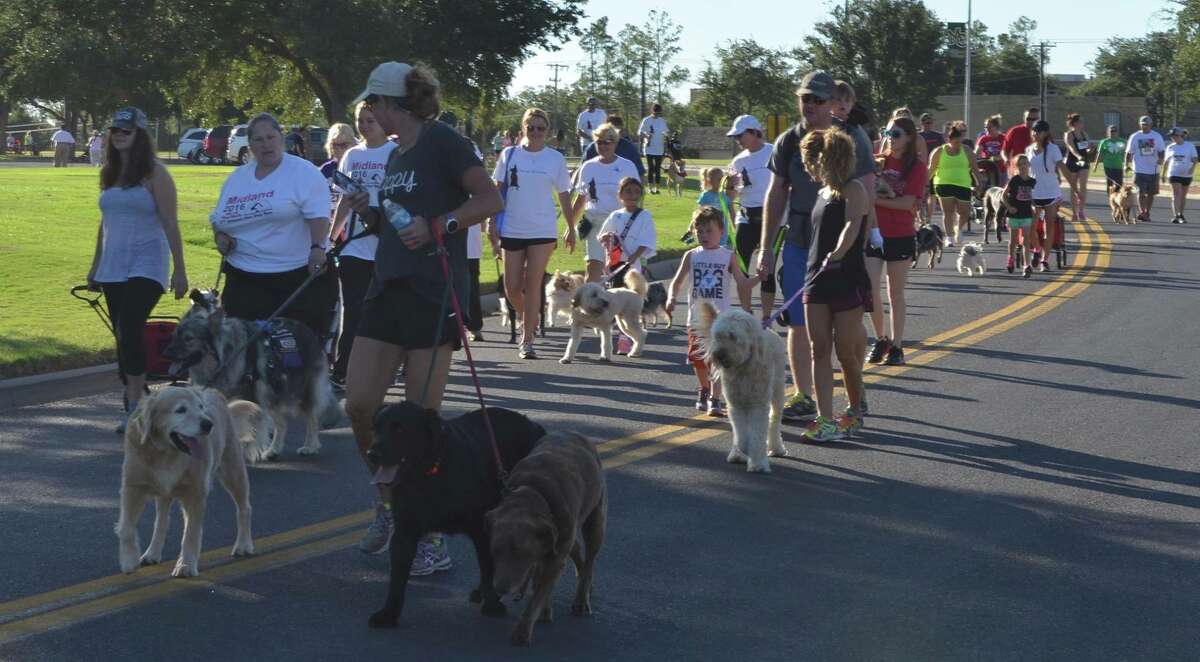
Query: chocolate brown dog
[{"x": 557, "y": 491}]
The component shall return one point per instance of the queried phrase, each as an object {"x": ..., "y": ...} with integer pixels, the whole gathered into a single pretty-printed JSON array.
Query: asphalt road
[{"x": 1028, "y": 488}]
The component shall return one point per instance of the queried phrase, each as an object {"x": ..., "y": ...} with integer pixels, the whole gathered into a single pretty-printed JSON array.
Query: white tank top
[{"x": 711, "y": 280}]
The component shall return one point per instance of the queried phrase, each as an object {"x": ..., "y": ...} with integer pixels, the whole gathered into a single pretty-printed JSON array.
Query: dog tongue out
[{"x": 385, "y": 475}]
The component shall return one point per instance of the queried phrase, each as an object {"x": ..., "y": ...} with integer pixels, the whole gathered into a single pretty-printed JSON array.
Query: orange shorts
[{"x": 695, "y": 349}]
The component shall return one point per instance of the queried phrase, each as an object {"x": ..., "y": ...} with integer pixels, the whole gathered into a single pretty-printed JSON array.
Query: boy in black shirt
[{"x": 1018, "y": 197}]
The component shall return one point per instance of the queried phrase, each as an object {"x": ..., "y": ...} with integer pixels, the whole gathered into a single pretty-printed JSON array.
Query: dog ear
[
  {"x": 141, "y": 422},
  {"x": 197, "y": 298}
]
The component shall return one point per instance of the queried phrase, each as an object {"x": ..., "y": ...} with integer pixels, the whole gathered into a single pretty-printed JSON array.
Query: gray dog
[{"x": 557, "y": 492}]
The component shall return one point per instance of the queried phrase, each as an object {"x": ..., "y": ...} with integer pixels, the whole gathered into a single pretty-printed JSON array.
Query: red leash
[{"x": 462, "y": 334}]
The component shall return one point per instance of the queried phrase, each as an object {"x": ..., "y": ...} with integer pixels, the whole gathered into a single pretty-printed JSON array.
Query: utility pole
[
  {"x": 1042, "y": 78},
  {"x": 557, "y": 122},
  {"x": 643, "y": 63},
  {"x": 967, "y": 83}
]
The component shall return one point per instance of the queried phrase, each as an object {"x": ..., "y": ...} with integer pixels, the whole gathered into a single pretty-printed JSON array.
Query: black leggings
[
  {"x": 254, "y": 296},
  {"x": 129, "y": 306},
  {"x": 654, "y": 168},
  {"x": 474, "y": 304},
  {"x": 746, "y": 239},
  {"x": 355, "y": 274}
]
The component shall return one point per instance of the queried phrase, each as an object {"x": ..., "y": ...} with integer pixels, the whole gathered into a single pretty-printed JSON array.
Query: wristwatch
[{"x": 451, "y": 225}]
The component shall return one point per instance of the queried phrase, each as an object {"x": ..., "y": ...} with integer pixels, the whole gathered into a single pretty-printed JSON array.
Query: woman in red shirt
[{"x": 901, "y": 184}]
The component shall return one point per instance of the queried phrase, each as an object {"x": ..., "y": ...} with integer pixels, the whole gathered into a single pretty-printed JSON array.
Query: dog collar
[{"x": 435, "y": 469}]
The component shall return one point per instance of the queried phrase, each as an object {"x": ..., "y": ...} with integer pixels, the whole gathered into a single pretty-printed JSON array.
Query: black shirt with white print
[{"x": 427, "y": 181}]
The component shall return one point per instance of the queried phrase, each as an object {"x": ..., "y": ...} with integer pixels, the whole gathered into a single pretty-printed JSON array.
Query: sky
[{"x": 780, "y": 24}]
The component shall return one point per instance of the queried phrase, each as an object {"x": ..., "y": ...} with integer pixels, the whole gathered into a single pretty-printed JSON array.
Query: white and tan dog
[
  {"x": 750, "y": 361},
  {"x": 597, "y": 308},
  {"x": 971, "y": 259},
  {"x": 559, "y": 293},
  {"x": 177, "y": 440}
]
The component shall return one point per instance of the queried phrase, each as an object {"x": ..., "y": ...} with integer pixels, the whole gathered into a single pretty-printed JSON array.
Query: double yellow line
[{"x": 62, "y": 607}]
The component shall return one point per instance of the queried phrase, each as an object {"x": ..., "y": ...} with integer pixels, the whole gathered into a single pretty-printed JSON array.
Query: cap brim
[
  {"x": 819, "y": 95},
  {"x": 734, "y": 133},
  {"x": 128, "y": 126},
  {"x": 361, "y": 98}
]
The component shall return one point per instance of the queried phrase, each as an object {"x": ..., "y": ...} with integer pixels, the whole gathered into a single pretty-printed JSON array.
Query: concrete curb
[{"x": 78, "y": 382}]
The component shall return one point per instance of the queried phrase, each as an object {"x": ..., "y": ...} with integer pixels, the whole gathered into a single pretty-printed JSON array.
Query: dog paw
[
  {"x": 384, "y": 618},
  {"x": 782, "y": 452},
  {"x": 634, "y": 355},
  {"x": 308, "y": 450},
  {"x": 547, "y": 615},
  {"x": 271, "y": 456},
  {"x": 494, "y": 609},
  {"x": 581, "y": 609},
  {"x": 736, "y": 457},
  {"x": 128, "y": 566},
  {"x": 758, "y": 468},
  {"x": 564, "y": 360},
  {"x": 148, "y": 559},
  {"x": 184, "y": 570},
  {"x": 242, "y": 550},
  {"x": 604, "y": 359},
  {"x": 520, "y": 637}
]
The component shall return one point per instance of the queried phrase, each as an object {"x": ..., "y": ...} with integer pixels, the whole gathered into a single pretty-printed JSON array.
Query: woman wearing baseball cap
[
  {"x": 433, "y": 183},
  {"x": 139, "y": 225}
]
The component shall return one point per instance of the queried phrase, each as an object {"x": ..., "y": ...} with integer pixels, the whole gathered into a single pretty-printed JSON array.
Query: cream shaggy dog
[
  {"x": 176, "y": 441},
  {"x": 559, "y": 292},
  {"x": 750, "y": 361},
  {"x": 970, "y": 259},
  {"x": 597, "y": 308}
]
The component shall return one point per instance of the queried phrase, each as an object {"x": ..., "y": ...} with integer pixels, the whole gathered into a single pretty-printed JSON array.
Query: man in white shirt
[
  {"x": 64, "y": 146},
  {"x": 588, "y": 121},
  {"x": 653, "y": 135},
  {"x": 751, "y": 176},
  {"x": 1144, "y": 150}
]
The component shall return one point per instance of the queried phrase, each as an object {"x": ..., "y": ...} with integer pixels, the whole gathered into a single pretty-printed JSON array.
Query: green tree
[
  {"x": 746, "y": 78},
  {"x": 1135, "y": 67},
  {"x": 650, "y": 48},
  {"x": 892, "y": 51}
]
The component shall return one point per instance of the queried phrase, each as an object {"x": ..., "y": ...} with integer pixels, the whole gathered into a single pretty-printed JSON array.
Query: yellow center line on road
[{"x": 95, "y": 597}]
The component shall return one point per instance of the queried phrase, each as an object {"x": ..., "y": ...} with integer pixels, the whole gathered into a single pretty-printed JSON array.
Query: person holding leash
[
  {"x": 596, "y": 183},
  {"x": 433, "y": 186},
  {"x": 139, "y": 226},
  {"x": 1111, "y": 155},
  {"x": 271, "y": 225}
]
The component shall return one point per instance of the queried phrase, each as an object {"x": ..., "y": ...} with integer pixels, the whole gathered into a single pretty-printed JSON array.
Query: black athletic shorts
[
  {"x": 1186, "y": 181},
  {"x": 1075, "y": 166},
  {"x": 398, "y": 315},
  {"x": 894, "y": 249},
  {"x": 1045, "y": 202},
  {"x": 960, "y": 193},
  {"x": 513, "y": 244}
]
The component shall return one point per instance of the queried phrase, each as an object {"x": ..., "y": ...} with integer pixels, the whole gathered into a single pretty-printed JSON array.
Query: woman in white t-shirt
[
  {"x": 1179, "y": 162},
  {"x": 1047, "y": 168},
  {"x": 596, "y": 183},
  {"x": 653, "y": 133},
  {"x": 529, "y": 174},
  {"x": 364, "y": 164},
  {"x": 271, "y": 224}
]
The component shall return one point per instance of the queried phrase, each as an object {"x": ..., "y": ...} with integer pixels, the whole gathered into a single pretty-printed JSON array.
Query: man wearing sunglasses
[
  {"x": 1018, "y": 138},
  {"x": 791, "y": 196}
]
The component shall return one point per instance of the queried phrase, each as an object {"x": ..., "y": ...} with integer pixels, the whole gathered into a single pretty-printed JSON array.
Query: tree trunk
[
  {"x": 335, "y": 107},
  {"x": 4, "y": 110}
]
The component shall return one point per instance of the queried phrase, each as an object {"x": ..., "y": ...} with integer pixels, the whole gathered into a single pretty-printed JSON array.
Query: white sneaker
[
  {"x": 379, "y": 533},
  {"x": 432, "y": 556}
]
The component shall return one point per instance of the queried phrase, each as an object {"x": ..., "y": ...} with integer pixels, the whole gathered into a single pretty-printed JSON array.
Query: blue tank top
[{"x": 132, "y": 242}]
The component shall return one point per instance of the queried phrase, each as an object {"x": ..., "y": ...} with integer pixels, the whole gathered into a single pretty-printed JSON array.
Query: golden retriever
[
  {"x": 597, "y": 308},
  {"x": 176, "y": 441}
]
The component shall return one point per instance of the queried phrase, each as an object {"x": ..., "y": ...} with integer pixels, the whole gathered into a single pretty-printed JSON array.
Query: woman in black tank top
[
  {"x": 837, "y": 289},
  {"x": 1077, "y": 160}
]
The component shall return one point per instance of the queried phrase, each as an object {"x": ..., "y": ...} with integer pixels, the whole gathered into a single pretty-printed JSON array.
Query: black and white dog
[
  {"x": 282, "y": 370},
  {"x": 930, "y": 239}
]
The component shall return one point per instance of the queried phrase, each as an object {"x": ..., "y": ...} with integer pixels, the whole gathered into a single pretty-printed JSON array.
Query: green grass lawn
[{"x": 49, "y": 221}]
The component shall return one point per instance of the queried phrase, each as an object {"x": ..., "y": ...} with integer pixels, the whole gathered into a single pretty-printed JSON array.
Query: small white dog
[
  {"x": 750, "y": 361},
  {"x": 176, "y": 441},
  {"x": 594, "y": 307},
  {"x": 970, "y": 259},
  {"x": 559, "y": 292}
]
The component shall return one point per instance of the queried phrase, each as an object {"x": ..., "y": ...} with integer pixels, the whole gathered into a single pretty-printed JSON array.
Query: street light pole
[{"x": 967, "y": 83}]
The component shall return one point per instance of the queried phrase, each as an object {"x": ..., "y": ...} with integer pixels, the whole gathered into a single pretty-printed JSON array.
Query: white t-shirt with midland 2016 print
[
  {"x": 267, "y": 217},
  {"x": 366, "y": 166},
  {"x": 656, "y": 128},
  {"x": 532, "y": 179},
  {"x": 1145, "y": 148}
]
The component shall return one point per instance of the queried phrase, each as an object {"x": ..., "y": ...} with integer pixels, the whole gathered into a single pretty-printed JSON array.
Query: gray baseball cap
[
  {"x": 1176, "y": 131},
  {"x": 817, "y": 83},
  {"x": 1145, "y": 119},
  {"x": 128, "y": 118}
]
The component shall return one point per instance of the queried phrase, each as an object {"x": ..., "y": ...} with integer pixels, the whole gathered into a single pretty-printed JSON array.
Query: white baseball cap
[
  {"x": 744, "y": 123},
  {"x": 387, "y": 80}
]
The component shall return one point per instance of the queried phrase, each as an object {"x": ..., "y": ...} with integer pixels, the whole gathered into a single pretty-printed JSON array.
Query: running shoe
[
  {"x": 849, "y": 423},
  {"x": 624, "y": 344},
  {"x": 714, "y": 408},
  {"x": 432, "y": 556},
  {"x": 1012, "y": 264},
  {"x": 526, "y": 351},
  {"x": 895, "y": 356},
  {"x": 1182, "y": 219},
  {"x": 879, "y": 351},
  {"x": 1028, "y": 272},
  {"x": 1176, "y": 220},
  {"x": 799, "y": 407},
  {"x": 1043, "y": 267},
  {"x": 702, "y": 399},
  {"x": 379, "y": 533},
  {"x": 822, "y": 430}
]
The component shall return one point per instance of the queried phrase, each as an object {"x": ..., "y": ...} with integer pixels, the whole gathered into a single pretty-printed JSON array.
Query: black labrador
[{"x": 443, "y": 478}]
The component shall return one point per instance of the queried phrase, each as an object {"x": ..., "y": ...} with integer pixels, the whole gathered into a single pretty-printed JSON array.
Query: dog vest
[{"x": 282, "y": 352}]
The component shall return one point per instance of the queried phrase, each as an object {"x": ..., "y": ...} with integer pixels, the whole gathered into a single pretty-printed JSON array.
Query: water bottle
[{"x": 397, "y": 215}]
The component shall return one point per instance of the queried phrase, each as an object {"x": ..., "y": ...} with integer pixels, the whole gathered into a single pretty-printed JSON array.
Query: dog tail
[
  {"x": 247, "y": 418},
  {"x": 635, "y": 281}
]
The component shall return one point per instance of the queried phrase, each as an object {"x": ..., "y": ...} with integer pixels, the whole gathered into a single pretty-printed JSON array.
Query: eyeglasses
[
  {"x": 119, "y": 131},
  {"x": 535, "y": 128},
  {"x": 605, "y": 142},
  {"x": 813, "y": 99}
]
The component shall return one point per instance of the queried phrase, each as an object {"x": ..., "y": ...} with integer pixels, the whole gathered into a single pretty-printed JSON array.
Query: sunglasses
[
  {"x": 894, "y": 133},
  {"x": 605, "y": 142},
  {"x": 1031, "y": 120},
  {"x": 532, "y": 128},
  {"x": 813, "y": 99},
  {"x": 117, "y": 130}
]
